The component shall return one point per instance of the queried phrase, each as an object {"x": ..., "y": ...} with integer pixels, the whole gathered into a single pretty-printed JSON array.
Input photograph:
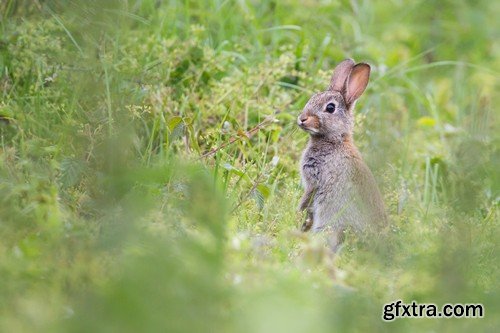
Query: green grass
[{"x": 149, "y": 164}]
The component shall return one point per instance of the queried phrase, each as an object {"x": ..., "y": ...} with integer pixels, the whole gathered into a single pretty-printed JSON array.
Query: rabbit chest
[{"x": 324, "y": 169}]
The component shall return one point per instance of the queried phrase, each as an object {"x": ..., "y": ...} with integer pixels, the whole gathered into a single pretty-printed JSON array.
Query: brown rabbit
[{"x": 340, "y": 190}]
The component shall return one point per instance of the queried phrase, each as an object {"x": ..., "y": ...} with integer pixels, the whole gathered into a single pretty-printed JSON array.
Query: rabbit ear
[
  {"x": 340, "y": 75},
  {"x": 356, "y": 83}
]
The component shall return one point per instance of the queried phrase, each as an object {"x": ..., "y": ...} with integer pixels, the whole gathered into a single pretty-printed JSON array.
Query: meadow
[{"x": 149, "y": 164}]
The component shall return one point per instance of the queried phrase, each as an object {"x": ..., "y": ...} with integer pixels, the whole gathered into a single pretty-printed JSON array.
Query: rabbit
[{"x": 339, "y": 189}]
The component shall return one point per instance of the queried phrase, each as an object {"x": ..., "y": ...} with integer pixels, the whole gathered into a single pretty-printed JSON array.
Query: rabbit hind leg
[{"x": 336, "y": 237}]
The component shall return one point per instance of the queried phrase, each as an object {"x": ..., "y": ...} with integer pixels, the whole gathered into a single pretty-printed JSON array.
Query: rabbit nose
[{"x": 303, "y": 118}]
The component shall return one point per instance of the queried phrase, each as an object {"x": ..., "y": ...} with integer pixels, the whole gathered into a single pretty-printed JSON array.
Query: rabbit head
[{"x": 329, "y": 113}]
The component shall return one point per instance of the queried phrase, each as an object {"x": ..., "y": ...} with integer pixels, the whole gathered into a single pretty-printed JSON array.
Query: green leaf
[
  {"x": 259, "y": 198},
  {"x": 265, "y": 190},
  {"x": 175, "y": 128},
  {"x": 71, "y": 171},
  {"x": 173, "y": 123}
]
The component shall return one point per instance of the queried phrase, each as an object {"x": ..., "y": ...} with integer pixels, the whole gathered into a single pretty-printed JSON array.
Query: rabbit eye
[{"x": 330, "y": 108}]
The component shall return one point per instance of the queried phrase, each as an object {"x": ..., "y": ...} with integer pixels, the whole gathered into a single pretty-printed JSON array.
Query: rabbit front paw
[{"x": 306, "y": 226}]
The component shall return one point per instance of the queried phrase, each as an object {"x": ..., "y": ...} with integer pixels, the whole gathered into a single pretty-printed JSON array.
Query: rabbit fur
[{"x": 339, "y": 188}]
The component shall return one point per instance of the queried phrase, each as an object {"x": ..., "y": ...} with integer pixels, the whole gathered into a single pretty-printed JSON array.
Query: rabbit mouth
[
  {"x": 310, "y": 130},
  {"x": 309, "y": 124}
]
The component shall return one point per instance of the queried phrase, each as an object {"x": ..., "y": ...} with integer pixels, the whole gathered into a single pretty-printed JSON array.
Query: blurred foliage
[{"x": 149, "y": 164}]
